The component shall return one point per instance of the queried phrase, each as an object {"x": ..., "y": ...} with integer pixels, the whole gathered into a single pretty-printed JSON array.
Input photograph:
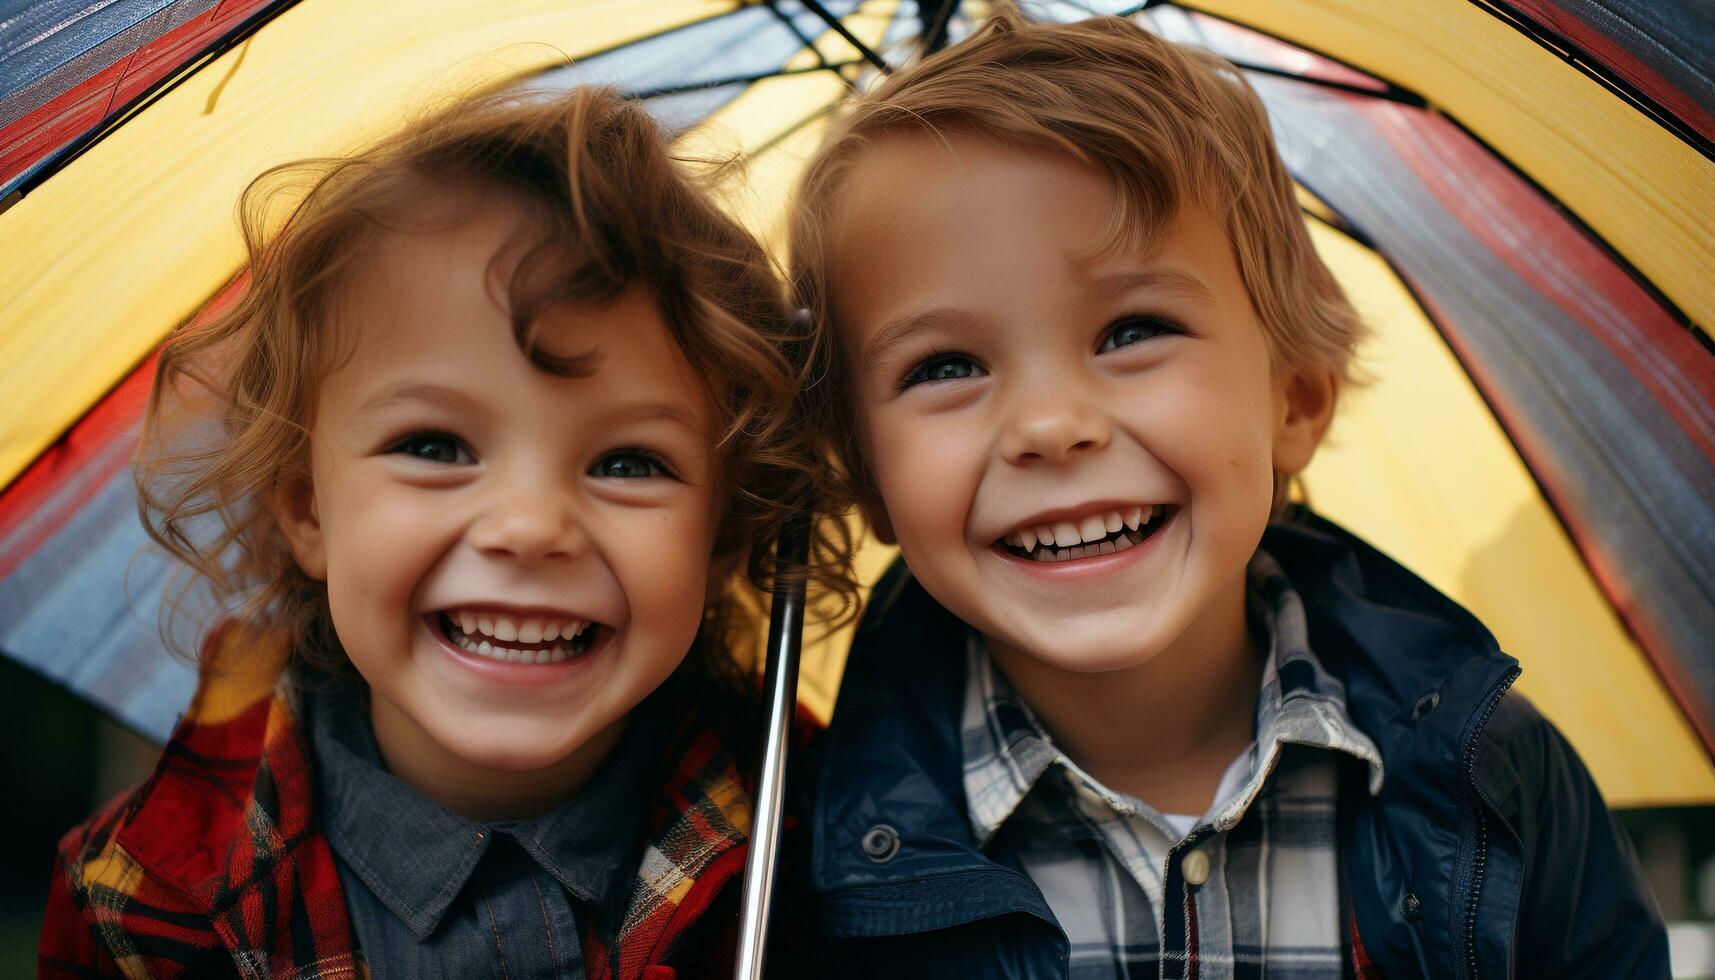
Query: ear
[
  {"x": 875, "y": 515},
  {"x": 1303, "y": 410},
  {"x": 293, "y": 504}
]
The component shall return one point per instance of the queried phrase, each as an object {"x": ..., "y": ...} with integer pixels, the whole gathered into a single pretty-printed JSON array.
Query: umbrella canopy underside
[{"x": 1538, "y": 440}]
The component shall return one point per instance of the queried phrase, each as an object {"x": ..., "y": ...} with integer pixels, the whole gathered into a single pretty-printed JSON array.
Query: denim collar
[{"x": 416, "y": 856}]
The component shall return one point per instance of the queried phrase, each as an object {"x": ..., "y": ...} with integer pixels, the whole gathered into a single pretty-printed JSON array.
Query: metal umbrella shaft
[{"x": 780, "y": 683}]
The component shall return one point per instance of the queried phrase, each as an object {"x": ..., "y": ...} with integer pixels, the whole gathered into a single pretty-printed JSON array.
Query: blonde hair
[
  {"x": 1170, "y": 125},
  {"x": 607, "y": 208}
]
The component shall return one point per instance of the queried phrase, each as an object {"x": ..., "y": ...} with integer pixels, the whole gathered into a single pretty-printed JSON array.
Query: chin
[
  {"x": 505, "y": 749},
  {"x": 1099, "y": 660},
  {"x": 1093, "y": 652}
]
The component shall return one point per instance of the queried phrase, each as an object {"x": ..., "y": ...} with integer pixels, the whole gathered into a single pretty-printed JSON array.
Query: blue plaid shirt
[{"x": 1252, "y": 890}]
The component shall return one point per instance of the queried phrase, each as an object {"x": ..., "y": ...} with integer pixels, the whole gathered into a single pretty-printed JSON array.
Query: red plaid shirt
[{"x": 215, "y": 864}]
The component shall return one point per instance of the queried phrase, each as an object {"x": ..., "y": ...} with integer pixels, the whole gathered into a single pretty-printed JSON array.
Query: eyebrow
[
  {"x": 441, "y": 395},
  {"x": 1164, "y": 280},
  {"x": 412, "y": 391},
  {"x": 897, "y": 330},
  {"x": 660, "y": 411}
]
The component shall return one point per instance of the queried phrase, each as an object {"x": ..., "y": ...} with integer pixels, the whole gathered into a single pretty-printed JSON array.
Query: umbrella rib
[
  {"x": 834, "y": 24},
  {"x": 54, "y": 162},
  {"x": 1683, "y": 702},
  {"x": 714, "y": 83},
  {"x": 935, "y": 38},
  {"x": 798, "y": 32},
  {"x": 1592, "y": 67},
  {"x": 1707, "y": 340},
  {"x": 1390, "y": 93}
]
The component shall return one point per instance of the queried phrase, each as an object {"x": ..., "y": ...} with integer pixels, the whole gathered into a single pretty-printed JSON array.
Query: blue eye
[
  {"x": 1130, "y": 330},
  {"x": 941, "y": 367},
  {"x": 434, "y": 447},
  {"x": 630, "y": 464}
]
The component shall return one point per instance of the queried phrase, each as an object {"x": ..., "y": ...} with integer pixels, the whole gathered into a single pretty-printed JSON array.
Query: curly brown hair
[{"x": 610, "y": 209}]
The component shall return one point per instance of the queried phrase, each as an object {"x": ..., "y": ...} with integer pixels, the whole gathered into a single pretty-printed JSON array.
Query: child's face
[
  {"x": 513, "y": 559},
  {"x": 1010, "y": 389}
]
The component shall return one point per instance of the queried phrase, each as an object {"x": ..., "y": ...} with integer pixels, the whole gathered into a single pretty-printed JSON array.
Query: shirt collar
[
  {"x": 416, "y": 856},
  {"x": 1006, "y": 750}
]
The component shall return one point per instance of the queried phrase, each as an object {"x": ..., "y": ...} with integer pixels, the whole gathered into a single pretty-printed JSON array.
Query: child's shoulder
[{"x": 222, "y": 830}]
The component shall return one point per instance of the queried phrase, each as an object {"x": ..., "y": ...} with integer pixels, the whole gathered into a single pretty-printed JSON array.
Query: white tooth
[
  {"x": 1026, "y": 538},
  {"x": 514, "y": 656},
  {"x": 505, "y": 629},
  {"x": 1065, "y": 535},
  {"x": 557, "y": 655},
  {"x": 1111, "y": 521},
  {"x": 543, "y": 656},
  {"x": 577, "y": 629},
  {"x": 485, "y": 624},
  {"x": 550, "y": 630},
  {"x": 1133, "y": 517},
  {"x": 530, "y": 631},
  {"x": 1150, "y": 512},
  {"x": 485, "y": 648},
  {"x": 467, "y": 622},
  {"x": 1091, "y": 528},
  {"x": 1045, "y": 534}
]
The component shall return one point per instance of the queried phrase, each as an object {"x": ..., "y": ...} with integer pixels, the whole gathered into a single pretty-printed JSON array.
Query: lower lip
[
  {"x": 508, "y": 672},
  {"x": 1083, "y": 568}
]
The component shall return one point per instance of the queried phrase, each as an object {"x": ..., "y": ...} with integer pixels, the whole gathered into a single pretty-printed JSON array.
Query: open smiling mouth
[
  {"x": 1103, "y": 533},
  {"x": 520, "y": 640}
]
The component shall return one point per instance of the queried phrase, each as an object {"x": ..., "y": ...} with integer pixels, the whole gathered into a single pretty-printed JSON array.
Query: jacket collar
[{"x": 1418, "y": 670}]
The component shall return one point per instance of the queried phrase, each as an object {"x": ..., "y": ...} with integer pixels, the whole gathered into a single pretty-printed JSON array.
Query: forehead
[
  {"x": 967, "y": 222},
  {"x": 957, "y": 185},
  {"x": 433, "y": 306}
]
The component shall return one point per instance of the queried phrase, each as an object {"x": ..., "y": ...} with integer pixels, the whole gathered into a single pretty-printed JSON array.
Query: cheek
[
  {"x": 662, "y": 564},
  {"x": 381, "y": 542},
  {"x": 923, "y": 468},
  {"x": 1215, "y": 435}
]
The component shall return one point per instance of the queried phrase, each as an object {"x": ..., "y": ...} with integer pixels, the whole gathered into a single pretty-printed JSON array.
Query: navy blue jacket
[{"x": 1488, "y": 852}]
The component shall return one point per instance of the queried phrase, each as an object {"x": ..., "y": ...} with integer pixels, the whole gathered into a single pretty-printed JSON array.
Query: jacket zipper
[{"x": 1480, "y": 856}]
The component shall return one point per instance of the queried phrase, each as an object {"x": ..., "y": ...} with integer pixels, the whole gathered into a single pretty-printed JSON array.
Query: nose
[
  {"x": 1053, "y": 424},
  {"x": 529, "y": 520}
]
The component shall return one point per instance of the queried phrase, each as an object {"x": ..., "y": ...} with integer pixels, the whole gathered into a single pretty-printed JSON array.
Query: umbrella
[{"x": 1518, "y": 196}]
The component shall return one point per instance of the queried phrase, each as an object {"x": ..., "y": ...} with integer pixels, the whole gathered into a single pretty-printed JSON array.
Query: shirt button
[{"x": 1195, "y": 866}]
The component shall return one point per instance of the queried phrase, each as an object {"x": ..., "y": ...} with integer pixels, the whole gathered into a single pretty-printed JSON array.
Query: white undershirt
[{"x": 1237, "y": 774}]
